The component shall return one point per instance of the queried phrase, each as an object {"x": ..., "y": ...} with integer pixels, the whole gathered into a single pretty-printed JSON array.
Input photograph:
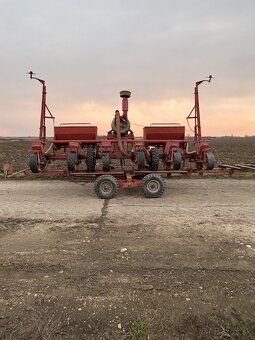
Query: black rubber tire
[
  {"x": 140, "y": 160},
  {"x": 210, "y": 161},
  {"x": 106, "y": 161},
  {"x": 106, "y": 186},
  {"x": 153, "y": 186},
  {"x": 90, "y": 159},
  {"x": 177, "y": 160},
  {"x": 71, "y": 161},
  {"x": 154, "y": 161},
  {"x": 33, "y": 163}
]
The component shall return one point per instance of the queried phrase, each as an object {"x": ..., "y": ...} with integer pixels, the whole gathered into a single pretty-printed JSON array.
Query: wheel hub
[
  {"x": 153, "y": 186},
  {"x": 106, "y": 187}
]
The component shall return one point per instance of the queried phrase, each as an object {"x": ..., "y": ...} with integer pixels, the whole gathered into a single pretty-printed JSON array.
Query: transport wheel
[
  {"x": 106, "y": 186},
  {"x": 106, "y": 161},
  {"x": 34, "y": 163},
  {"x": 210, "y": 161},
  {"x": 177, "y": 160},
  {"x": 154, "y": 161},
  {"x": 140, "y": 160},
  {"x": 153, "y": 186},
  {"x": 71, "y": 161},
  {"x": 90, "y": 159}
]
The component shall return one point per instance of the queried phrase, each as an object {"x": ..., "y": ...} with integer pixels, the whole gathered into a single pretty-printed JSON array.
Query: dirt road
[{"x": 178, "y": 267}]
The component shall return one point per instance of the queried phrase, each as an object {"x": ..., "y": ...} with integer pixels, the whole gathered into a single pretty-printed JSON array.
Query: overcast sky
[{"x": 87, "y": 51}]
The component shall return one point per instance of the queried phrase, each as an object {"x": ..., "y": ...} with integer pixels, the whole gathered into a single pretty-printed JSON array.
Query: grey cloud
[{"x": 88, "y": 50}]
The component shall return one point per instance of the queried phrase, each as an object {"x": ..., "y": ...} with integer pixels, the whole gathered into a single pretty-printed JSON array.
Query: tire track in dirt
[{"x": 101, "y": 220}]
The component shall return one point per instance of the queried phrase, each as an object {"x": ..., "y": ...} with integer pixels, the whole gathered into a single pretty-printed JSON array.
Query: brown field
[{"x": 182, "y": 266}]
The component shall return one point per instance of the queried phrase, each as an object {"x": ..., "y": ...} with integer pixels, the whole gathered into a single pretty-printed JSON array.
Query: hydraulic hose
[
  {"x": 49, "y": 149},
  {"x": 120, "y": 145},
  {"x": 189, "y": 152}
]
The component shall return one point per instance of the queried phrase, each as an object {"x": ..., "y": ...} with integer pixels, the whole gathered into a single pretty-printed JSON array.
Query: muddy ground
[{"x": 178, "y": 267}]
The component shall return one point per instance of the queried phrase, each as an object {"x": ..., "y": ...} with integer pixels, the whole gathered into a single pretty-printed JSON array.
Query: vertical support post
[
  {"x": 197, "y": 129},
  {"x": 196, "y": 117},
  {"x": 42, "y": 130},
  {"x": 198, "y": 133},
  {"x": 125, "y": 108},
  {"x": 125, "y": 95}
]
